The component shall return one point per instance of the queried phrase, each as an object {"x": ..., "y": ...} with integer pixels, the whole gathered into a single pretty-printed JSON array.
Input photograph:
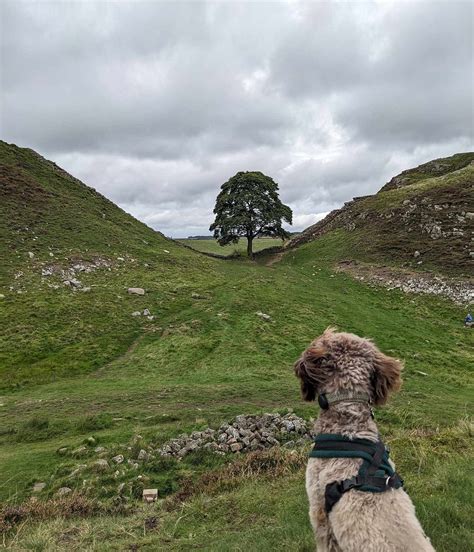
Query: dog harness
[{"x": 375, "y": 475}]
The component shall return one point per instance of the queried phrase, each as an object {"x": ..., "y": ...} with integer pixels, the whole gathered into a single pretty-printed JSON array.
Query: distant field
[{"x": 211, "y": 246}]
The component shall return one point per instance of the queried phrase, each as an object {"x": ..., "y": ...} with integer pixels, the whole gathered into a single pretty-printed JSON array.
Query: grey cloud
[{"x": 156, "y": 104}]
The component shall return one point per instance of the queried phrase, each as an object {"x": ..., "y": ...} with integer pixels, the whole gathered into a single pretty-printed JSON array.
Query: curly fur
[{"x": 360, "y": 521}]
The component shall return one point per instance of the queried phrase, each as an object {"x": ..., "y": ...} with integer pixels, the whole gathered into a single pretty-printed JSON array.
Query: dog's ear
[
  {"x": 308, "y": 369},
  {"x": 386, "y": 377}
]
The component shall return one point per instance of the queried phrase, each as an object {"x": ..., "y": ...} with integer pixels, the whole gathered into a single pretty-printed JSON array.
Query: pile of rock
[{"x": 243, "y": 434}]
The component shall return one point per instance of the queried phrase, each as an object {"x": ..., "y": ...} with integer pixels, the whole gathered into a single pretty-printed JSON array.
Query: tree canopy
[{"x": 249, "y": 206}]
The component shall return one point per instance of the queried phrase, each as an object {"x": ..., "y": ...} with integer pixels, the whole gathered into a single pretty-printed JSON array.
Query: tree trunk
[{"x": 249, "y": 246}]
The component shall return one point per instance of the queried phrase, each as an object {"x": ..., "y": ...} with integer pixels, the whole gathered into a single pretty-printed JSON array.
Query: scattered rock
[
  {"x": 150, "y": 495},
  {"x": 31, "y": 255},
  {"x": 64, "y": 491},
  {"x": 118, "y": 459},
  {"x": 136, "y": 313},
  {"x": 101, "y": 465},
  {"x": 38, "y": 487},
  {"x": 263, "y": 316},
  {"x": 146, "y": 312},
  {"x": 195, "y": 295},
  {"x": 416, "y": 254},
  {"x": 142, "y": 455},
  {"x": 99, "y": 449},
  {"x": 136, "y": 291},
  {"x": 421, "y": 373}
]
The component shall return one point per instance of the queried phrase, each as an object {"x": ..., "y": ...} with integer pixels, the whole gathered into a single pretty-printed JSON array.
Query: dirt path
[{"x": 274, "y": 259}]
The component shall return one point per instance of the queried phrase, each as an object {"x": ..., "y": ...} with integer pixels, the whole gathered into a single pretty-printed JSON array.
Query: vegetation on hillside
[{"x": 428, "y": 210}]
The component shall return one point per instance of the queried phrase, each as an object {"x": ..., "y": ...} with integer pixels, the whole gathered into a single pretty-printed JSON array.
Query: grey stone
[
  {"x": 142, "y": 455},
  {"x": 64, "y": 491},
  {"x": 101, "y": 465},
  {"x": 264, "y": 316},
  {"x": 38, "y": 487},
  {"x": 118, "y": 459},
  {"x": 136, "y": 291}
]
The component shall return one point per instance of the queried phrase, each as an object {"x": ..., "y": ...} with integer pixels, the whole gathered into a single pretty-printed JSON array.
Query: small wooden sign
[{"x": 150, "y": 495}]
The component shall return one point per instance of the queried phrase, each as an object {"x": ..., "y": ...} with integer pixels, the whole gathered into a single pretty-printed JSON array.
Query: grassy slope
[
  {"x": 212, "y": 246},
  {"x": 208, "y": 370},
  {"x": 95, "y": 370},
  {"x": 49, "y": 333}
]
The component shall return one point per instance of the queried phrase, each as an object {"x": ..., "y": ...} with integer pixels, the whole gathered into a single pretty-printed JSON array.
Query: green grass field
[
  {"x": 76, "y": 365},
  {"x": 240, "y": 248},
  {"x": 202, "y": 361}
]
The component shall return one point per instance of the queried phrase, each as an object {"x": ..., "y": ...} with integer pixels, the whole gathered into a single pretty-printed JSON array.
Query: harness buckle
[{"x": 349, "y": 484}]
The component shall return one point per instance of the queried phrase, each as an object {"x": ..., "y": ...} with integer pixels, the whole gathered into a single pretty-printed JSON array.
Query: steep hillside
[
  {"x": 423, "y": 217},
  {"x": 67, "y": 257},
  {"x": 44, "y": 209}
]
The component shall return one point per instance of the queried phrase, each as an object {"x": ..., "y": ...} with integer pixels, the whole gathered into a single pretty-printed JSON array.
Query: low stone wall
[{"x": 243, "y": 434}]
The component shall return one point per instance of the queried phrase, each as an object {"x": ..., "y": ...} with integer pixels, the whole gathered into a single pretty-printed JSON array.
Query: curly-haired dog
[{"x": 357, "y": 501}]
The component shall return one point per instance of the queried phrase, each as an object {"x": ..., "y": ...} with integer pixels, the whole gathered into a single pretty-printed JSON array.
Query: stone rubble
[
  {"x": 243, "y": 434},
  {"x": 457, "y": 290}
]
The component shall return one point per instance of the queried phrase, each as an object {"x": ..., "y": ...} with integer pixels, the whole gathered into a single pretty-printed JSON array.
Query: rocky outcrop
[{"x": 428, "y": 209}]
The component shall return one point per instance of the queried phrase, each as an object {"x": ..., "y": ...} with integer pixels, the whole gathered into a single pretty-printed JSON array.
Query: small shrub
[
  {"x": 95, "y": 422},
  {"x": 35, "y": 429}
]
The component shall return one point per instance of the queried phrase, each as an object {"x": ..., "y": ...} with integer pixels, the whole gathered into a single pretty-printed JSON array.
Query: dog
[{"x": 349, "y": 375}]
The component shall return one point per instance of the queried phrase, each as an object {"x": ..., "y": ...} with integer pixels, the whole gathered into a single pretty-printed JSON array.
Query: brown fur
[{"x": 360, "y": 521}]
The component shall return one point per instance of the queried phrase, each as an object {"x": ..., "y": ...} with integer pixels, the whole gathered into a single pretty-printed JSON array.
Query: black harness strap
[{"x": 375, "y": 474}]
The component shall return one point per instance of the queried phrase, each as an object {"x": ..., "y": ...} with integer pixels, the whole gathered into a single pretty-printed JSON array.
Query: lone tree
[{"x": 248, "y": 206}]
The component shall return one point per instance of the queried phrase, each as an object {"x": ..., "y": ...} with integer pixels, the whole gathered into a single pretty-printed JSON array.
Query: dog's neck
[{"x": 348, "y": 418}]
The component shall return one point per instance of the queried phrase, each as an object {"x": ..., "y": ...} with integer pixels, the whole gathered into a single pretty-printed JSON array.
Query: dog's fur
[{"x": 360, "y": 521}]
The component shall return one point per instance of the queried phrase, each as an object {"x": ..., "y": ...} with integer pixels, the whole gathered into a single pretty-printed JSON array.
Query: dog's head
[{"x": 337, "y": 362}]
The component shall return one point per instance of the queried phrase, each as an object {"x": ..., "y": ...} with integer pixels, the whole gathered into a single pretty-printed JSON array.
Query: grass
[
  {"x": 240, "y": 248},
  {"x": 76, "y": 365}
]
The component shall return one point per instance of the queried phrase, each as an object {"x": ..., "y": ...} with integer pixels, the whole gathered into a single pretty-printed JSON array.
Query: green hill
[
  {"x": 428, "y": 210},
  {"x": 84, "y": 377},
  {"x": 67, "y": 257}
]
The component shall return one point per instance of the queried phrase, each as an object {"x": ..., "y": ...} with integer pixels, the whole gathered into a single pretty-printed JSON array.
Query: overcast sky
[{"x": 157, "y": 104}]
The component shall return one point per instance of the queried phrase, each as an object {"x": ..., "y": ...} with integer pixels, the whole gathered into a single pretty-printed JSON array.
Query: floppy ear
[
  {"x": 308, "y": 369},
  {"x": 386, "y": 377}
]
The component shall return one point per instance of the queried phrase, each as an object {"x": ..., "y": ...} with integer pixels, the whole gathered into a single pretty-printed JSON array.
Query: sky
[{"x": 157, "y": 104}]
